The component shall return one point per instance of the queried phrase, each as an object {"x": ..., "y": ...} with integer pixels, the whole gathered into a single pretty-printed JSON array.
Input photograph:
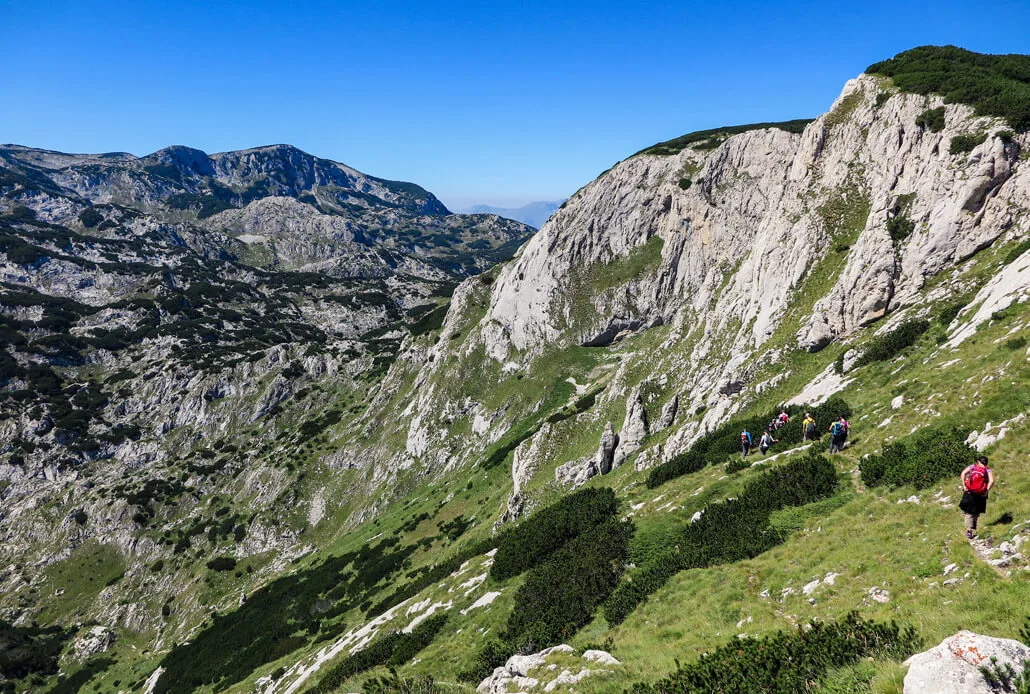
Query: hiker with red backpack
[
  {"x": 745, "y": 443},
  {"x": 977, "y": 480}
]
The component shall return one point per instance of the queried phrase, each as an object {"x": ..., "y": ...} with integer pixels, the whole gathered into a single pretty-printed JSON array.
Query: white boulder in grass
[{"x": 953, "y": 667}]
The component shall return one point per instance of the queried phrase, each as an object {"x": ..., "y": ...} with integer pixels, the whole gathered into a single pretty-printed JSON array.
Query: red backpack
[{"x": 976, "y": 480}]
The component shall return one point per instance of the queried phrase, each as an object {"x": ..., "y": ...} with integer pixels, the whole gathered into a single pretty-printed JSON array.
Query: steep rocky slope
[
  {"x": 877, "y": 255},
  {"x": 171, "y": 319}
]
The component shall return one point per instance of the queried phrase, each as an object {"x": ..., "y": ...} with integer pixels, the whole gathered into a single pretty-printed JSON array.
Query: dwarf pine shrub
[
  {"x": 963, "y": 144},
  {"x": 787, "y": 661},
  {"x": 728, "y": 530},
  {"x": 724, "y": 441},
  {"x": 562, "y": 592},
  {"x": 559, "y": 596},
  {"x": 889, "y": 345},
  {"x": 921, "y": 459},
  {"x": 536, "y": 538}
]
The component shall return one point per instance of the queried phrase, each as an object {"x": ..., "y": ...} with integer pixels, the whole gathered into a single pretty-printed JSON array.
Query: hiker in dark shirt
[{"x": 977, "y": 480}]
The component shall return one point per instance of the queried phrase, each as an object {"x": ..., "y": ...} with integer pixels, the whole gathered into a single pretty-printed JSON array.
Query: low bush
[
  {"x": 430, "y": 321},
  {"x": 729, "y": 530},
  {"x": 544, "y": 532},
  {"x": 900, "y": 227},
  {"x": 921, "y": 459},
  {"x": 393, "y": 649},
  {"x": 703, "y": 139},
  {"x": 931, "y": 119},
  {"x": 787, "y": 661},
  {"x": 395, "y": 684},
  {"x": 962, "y": 144},
  {"x": 1017, "y": 251},
  {"x": 950, "y": 311},
  {"x": 888, "y": 345},
  {"x": 559, "y": 596},
  {"x": 222, "y": 564},
  {"x": 30, "y": 650},
  {"x": 719, "y": 444}
]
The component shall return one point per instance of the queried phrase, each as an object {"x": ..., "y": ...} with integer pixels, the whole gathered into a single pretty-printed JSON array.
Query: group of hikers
[
  {"x": 838, "y": 433},
  {"x": 977, "y": 479}
]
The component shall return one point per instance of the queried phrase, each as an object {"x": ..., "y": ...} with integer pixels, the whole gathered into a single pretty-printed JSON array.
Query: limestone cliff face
[{"x": 760, "y": 213}]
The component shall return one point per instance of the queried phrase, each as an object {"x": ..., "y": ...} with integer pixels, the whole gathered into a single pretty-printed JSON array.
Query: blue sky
[{"x": 476, "y": 101}]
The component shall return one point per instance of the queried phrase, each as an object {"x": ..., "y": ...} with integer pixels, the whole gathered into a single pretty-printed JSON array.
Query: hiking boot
[{"x": 969, "y": 533}]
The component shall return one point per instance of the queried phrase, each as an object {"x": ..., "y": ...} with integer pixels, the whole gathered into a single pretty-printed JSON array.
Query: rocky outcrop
[
  {"x": 95, "y": 640},
  {"x": 534, "y": 672},
  {"x": 953, "y": 667},
  {"x": 634, "y": 430},
  {"x": 669, "y": 411},
  {"x": 575, "y": 472}
]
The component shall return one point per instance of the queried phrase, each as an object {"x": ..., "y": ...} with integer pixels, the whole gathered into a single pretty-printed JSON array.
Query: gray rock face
[
  {"x": 765, "y": 208},
  {"x": 669, "y": 412},
  {"x": 605, "y": 458},
  {"x": 634, "y": 430},
  {"x": 96, "y": 640},
  {"x": 953, "y": 667}
]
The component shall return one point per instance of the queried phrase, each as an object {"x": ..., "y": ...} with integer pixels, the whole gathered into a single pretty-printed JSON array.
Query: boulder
[
  {"x": 953, "y": 667},
  {"x": 97, "y": 640}
]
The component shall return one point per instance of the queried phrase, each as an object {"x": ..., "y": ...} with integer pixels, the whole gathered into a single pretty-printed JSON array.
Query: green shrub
[
  {"x": 90, "y": 218},
  {"x": 787, "y": 661},
  {"x": 920, "y": 459},
  {"x": 1017, "y": 251},
  {"x": 951, "y": 310},
  {"x": 544, "y": 532},
  {"x": 395, "y": 684},
  {"x": 728, "y": 531},
  {"x": 994, "y": 85},
  {"x": 881, "y": 98},
  {"x": 30, "y": 650},
  {"x": 961, "y": 144},
  {"x": 222, "y": 564},
  {"x": 931, "y": 119},
  {"x": 708, "y": 139},
  {"x": 559, "y": 596},
  {"x": 1015, "y": 343},
  {"x": 887, "y": 346},
  {"x": 719, "y": 444},
  {"x": 685, "y": 183},
  {"x": 432, "y": 320},
  {"x": 899, "y": 227}
]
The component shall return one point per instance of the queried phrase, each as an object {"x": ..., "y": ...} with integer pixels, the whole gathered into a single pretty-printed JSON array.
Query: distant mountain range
[{"x": 533, "y": 213}]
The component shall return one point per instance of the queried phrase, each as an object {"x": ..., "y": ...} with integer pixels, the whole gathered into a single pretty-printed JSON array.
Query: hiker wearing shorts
[{"x": 977, "y": 480}]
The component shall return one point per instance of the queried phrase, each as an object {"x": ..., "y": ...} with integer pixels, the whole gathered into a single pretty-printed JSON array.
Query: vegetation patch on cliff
[
  {"x": 712, "y": 138},
  {"x": 994, "y": 85}
]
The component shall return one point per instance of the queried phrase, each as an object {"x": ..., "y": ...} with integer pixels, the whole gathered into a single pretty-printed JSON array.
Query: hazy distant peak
[{"x": 532, "y": 213}]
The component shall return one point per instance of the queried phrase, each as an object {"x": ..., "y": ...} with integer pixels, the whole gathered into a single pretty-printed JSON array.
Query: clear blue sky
[{"x": 475, "y": 101}]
